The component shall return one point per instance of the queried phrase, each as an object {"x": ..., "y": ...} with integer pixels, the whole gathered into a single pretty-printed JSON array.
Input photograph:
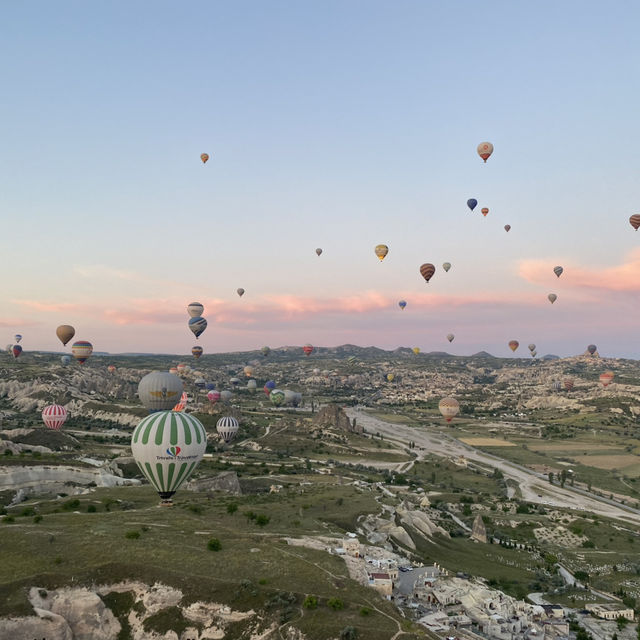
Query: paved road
[
  {"x": 406, "y": 580},
  {"x": 533, "y": 486}
]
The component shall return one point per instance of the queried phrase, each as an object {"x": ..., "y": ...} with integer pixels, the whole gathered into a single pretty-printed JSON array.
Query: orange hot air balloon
[
  {"x": 513, "y": 345},
  {"x": 65, "y": 332},
  {"x": 634, "y": 220},
  {"x": 427, "y": 270},
  {"x": 606, "y": 378},
  {"x": 308, "y": 349},
  {"x": 485, "y": 149},
  {"x": 484, "y": 211},
  {"x": 204, "y": 157}
]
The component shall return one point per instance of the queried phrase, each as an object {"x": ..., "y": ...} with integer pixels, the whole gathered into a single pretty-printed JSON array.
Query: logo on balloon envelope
[{"x": 173, "y": 451}]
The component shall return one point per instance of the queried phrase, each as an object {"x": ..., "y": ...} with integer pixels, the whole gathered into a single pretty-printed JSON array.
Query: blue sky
[{"x": 338, "y": 125}]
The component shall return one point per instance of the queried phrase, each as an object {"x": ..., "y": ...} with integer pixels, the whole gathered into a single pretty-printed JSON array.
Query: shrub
[
  {"x": 37, "y": 519},
  {"x": 91, "y": 508},
  {"x": 335, "y": 603},
  {"x": 69, "y": 505},
  {"x": 214, "y": 544},
  {"x": 132, "y": 535},
  {"x": 348, "y": 633},
  {"x": 262, "y": 581},
  {"x": 28, "y": 511},
  {"x": 262, "y": 520},
  {"x": 310, "y": 602},
  {"x": 8, "y": 519},
  {"x": 232, "y": 507},
  {"x": 365, "y": 611}
]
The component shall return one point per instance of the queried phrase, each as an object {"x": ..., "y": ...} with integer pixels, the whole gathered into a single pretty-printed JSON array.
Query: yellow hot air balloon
[
  {"x": 513, "y": 345},
  {"x": 381, "y": 251},
  {"x": 204, "y": 157},
  {"x": 390, "y": 377},
  {"x": 416, "y": 350},
  {"x": 449, "y": 408}
]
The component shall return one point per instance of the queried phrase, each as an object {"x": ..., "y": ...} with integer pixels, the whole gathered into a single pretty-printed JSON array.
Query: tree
[
  {"x": 310, "y": 602},
  {"x": 349, "y": 633},
  {"x": 214, "y": 544},
  {"x": 550, "y": 477},
  {"x": 335, "y": 603},
  {"x": 622, "y": 622}
]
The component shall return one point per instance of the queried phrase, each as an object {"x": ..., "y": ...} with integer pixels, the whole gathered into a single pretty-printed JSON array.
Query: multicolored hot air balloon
[
  {"x": 197, "y": 325},
  {"x": 269, "y": 386},
  {"x": 182, "y": 404},
  {"x": 277, "y": 397},
  {"x": 485, "y": 149},
  {"x": 507, "y": 227},
  {"x": 159, "y": 390},
  {"x": 54, "y": 416},
  {"x": 318, "y": 251},
  {"x": 111, "y": 368},
  {"x": 167, "y": 447},
  {"x": 196, "y": 352},
  {"x": 449, "y": 408},
  {"x": 65, "y": 332},
  {"x": 227, "y": 427},
  {"x": 558, "y": 271},
  {"x": 381, "y": 251},
  {"x": 592, "y": 349},
  {"x": 213, "y": 396},
  {"x": 81, "y": 350},
  {"x": 450, "y": 337},
  {"x": 472, "y": 203},
  {"x": 16, "y": 350},
  {"x": 195, "y": 309},
  {"x": 308, "y": 349},
  {"x": 552, "y": 297},
  {"x": 513, "y": 345},
  {"x": 402, "y": 304},
  {"x": 416, "y": 350},
  {"x": 607, "y": 378},
  {"x": 427, "y": 270},
  {"x": 484, "y": 211},
  {"x": 265, "y": 351},
  {"x": 634, "y": 221},
  {"x": 240, "y": 291},
  {"x": 17, "y": 338},
  {"x": 204, "y": 157},
  {"x": 446, "y": 266}
]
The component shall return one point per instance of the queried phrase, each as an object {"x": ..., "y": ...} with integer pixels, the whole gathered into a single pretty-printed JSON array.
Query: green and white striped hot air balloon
[{"x": 167, "y": 446}]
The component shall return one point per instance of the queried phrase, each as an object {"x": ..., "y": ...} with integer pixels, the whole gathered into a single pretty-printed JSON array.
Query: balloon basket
[{"x": 166, "y": 503}]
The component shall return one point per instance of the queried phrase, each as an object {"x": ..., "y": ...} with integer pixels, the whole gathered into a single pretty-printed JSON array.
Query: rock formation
[
  {"x": 332, "y": 416},
  {"x": 226, "y": 481},
  {"x": 479, "y": 531}
]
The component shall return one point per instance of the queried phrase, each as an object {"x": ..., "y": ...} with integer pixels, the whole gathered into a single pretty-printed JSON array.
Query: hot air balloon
[
  {"x": 552, "y": 297},
  {"x": 513, "y": 345},
  {"x": 352, "y": 360},
  {"x": 277, "y": 397},
  {"x": 159, "y": 390},
  {"x": 204, "y": 157},
  {"x": 17, "y": 338},
  {"x": 531, "y": 347},
  {"x": 227, "y": 428},
  {"x": 197, "y": 325},
  {"x": 484, "y": 211},
  {"x": 557, "y": 385},
  {"x": 181, "y": 367},
  {"x": 65, "y": 360},
  {"x": 213, "y": 396},
  {"x": 634, "y": 221},
  {"x": 252, "y": 385},
  {"x": 446, "y": 266},
  {"x": 196, "y": 352},
  {"x": 111, "y": 368},
  {"x": 54, "y": 416},
  {"x": 182, "y": 403},
  {"x": 265, "y": 351},
  {"x": 427, "y": 270},
  {"x": 235, "y": 381},
  {"x": 472, "y": 203},
  {"x": 390, "y": 377},
  {"x": 226, "y": 395},
  {"x": 173, "y": 370},
  {"x": 308, "y": 349},
  {"x": 248, "y": 371},
  {"x": 507, "y": 227},
  {"x": 269, "y": 386},
  {"x": 416, "y": 350},
  {"x": 592, "y": 349},
  {"x": 292, "y": 398},
  {"x": 167, "y": 447},
  {"x": 606, "y": 378},
  {"x": 16, "y": 350},
  {"x": 402, "y": 304},
  {"x": 81, "y": 350},
  {"x": 450, "y": 337},
  {"x": 558, "y": 271},
  {"x": 200, "y": 383},
  {"x": 195, "y": 309},
  {"x": 568, "y": 384},
  {"x": 65, "y": 332},
  {"x": 534, "y": 353},
  {"x": 318, "y": 251},
  {"x": 211, "y": 386},
  {"x": 485, "y": 149},
  {"x": 381, "y": 251},
  {"x": 240, "y": 291},
  {"x": 449, "y": 408}
]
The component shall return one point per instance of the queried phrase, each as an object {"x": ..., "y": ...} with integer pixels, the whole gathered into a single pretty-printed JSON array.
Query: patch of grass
[{"x": 169, "y": 619}]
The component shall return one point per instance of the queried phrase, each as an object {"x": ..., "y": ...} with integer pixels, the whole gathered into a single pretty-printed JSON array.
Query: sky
[{"x": 333, "y": 124}]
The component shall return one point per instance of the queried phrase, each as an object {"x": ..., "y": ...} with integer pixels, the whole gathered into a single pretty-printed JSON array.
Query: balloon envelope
[
  {"x": 204, "y": 157},
  {"x": 65, "y": 360},
  {"x": 416, "y": 350},
  {"x": 16, "y": 350},
  {"x": 54, "y": 416},
  {"x": 167, "y": 447},
  {"x": 532, "y": 347},
  {"x": 402, "y": 304},
  {"x": 196, "y": 352},
  {"x": 484, "y": 211},
  {"x": 472, "y": 203},
  {"x": 606, "y": 378},
  {"x": 159, "y": 390},
  {"x": 111, "y": 368},
  {"x": 227, "y": 428},
  {"x": 446, "y": 266},
  {"x": 507, "y": 227},
  {"x": 634, "y": 221},
  {"x": 182, "y": 403},
  {"x": 592, "y": 349},
  {"x": 552, "y": 297},
  {"x": 427, "y": 270},
  {"x": 17, "y": 338},
  {"x": 240, "y": 291},
  {"x": 265, "y": 351},
  {"x": 485, "y": 149},
  {"x": 65, "y": 332},
  {"x": 318, "y": 251},
  {"x": 213, "y": 396},
  {"x": 277, "y": 397},
  {"x": 381, "y": 251},
  {"x": 513, "y": 345},
  {"x": 558, "y": 271},
  {"x": 450, "y": 337},
  {"x": 81, "y": 350},
  {"x": 308, "y": 349},
  {"x": 195, "y": 309},
  {"x": 449, "y": 408},
  {"x": 248, "y": 371},
  {"x": 197, "y": 326}
]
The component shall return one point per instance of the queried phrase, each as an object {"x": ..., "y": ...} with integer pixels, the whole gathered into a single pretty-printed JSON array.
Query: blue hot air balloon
[
  {"x": 472, "y": 203},
  {"x": 197, "y": 325},
  {"x": 402, "y": 304},
  {"x": 65, "y": 360},
  {"x": 211, "y": 386}
]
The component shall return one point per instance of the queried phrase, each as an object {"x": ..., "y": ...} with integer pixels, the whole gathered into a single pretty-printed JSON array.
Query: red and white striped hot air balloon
[
  {"x": 308, "y": 349},
  {"x": 182, "y": 404},
  {"x": 606, "y": 378},
  {"x": 54, "y": 416}
]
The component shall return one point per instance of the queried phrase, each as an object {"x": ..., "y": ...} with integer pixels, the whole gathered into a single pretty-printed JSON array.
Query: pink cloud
[{"x": 618, "y": 278}]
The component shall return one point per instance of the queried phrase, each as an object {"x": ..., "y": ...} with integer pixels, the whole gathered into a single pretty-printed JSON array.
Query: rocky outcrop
[
  {"x": 42, "y": 625},
  {"x": 421, "y": 522},
  {"x": 226, "y": 481},
  {"x": 333, "y": 417},
  {"x": 479, "y": 531}
]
